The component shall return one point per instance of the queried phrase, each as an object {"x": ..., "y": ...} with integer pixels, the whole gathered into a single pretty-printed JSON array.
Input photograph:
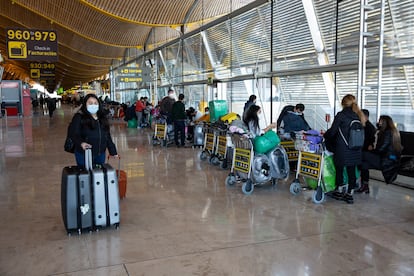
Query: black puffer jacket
[
  {"x": 343, "y": 156},
  {"x": 99, "y": 137},
  {"x": 384, "y": 146}
]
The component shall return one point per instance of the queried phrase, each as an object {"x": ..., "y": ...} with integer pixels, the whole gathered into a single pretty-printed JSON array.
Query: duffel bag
[{"x": 264, "y": 143}]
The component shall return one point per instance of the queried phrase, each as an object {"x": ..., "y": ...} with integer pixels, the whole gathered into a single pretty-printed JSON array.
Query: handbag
[{"x": 69, "y": 145}]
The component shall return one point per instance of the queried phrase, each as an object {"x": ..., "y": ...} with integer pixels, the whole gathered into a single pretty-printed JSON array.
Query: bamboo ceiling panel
[{"x": 92, "y": 34}]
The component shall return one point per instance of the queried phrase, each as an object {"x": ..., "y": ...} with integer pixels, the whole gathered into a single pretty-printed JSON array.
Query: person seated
[{"x": 385, "y": 156}]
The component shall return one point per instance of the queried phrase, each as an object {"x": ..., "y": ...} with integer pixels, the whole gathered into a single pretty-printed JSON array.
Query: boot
[{"x": 364, "y": 188}]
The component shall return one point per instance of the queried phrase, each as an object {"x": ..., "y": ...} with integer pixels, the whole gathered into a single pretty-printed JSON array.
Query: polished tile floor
[{"x": 180, "y": 219}]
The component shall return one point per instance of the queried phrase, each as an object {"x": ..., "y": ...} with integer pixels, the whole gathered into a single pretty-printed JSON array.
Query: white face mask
[
  {"x": 172, "y": 96},
  {"x": 92, "y": 108}
]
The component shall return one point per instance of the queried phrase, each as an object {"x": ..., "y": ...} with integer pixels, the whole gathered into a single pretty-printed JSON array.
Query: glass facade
[{"x": 285, "y": 52}]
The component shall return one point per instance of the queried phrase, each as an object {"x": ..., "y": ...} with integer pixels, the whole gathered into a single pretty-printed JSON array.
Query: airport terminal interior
[{"x": 180, "y": 216}]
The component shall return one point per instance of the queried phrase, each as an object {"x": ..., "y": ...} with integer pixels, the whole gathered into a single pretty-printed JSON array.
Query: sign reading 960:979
[{"x": 37, "y": 45}]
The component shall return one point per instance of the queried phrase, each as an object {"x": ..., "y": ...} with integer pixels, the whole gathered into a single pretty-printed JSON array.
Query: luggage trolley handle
[{"x": 118, "y": 174}]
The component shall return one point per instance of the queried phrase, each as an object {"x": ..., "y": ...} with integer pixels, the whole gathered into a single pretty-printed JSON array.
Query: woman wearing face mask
[
  {"x": 251, "y": 119},
  {"x": 91, "y": 130},
  {"x": 385, "y": 155}
]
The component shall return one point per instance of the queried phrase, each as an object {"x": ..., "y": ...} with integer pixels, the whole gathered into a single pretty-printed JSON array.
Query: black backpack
[{"x": 356, "y": 135}]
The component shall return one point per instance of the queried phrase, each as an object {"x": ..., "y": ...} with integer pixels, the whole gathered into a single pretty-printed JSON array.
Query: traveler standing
[
  {"x": 91, "y": 130},
  {"x": 178, "y": 116},
  {"x": 293, "y": 120},
  {"x": 250, "y": 102},
  {"x": 344, "y": 156},
  {"x": 51, "y": 106},
  {"x": 139, "y": 110},
  {"x": 166, "y": 105}
]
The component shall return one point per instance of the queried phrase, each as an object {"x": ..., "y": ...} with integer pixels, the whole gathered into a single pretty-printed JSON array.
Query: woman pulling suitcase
[{"x": 91, "y": 130}]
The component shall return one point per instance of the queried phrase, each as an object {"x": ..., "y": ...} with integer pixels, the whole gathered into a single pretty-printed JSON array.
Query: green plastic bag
[
  {"x": 328, "y": 173},
  {"x": 132, "y": 123},
  {"x": 311, "y": 183},
  {"x": 266, "y": 142}
]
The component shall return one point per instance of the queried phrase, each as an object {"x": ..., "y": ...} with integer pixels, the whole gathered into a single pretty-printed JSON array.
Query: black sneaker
[
  {"x": 337, "y": 195},
  {"x": 348, "y": 198}
]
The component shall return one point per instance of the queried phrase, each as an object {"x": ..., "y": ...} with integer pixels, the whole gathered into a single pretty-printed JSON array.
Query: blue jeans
[{"x": 80, "y": 159}]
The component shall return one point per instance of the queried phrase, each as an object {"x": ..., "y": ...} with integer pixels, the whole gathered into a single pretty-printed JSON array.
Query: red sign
[{"x": 11, "y": 84}]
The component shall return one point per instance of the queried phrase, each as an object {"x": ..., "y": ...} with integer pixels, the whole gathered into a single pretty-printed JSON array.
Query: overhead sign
[
  {"x": 36, "y": 45},
  {"x": 129, "y": 74},
  {"x": 42, "y": 70},
  {"x": 128, "y": 79}
]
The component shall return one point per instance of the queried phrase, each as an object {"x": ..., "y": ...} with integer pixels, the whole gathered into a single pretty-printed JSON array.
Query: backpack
[{"x": 356, "y": 135}]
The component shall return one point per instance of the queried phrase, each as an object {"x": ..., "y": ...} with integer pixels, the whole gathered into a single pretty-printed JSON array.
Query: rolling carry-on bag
[
  {"x": 122, "y": 179},
  {"x": 105, "y": 193},
  {"x": 76, "y": 199},
  {"x": 198, "y": 138}
]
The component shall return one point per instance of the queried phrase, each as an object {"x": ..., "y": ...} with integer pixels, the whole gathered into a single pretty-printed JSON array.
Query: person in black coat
[
  {"x": 91, "y": 130},
  {"x": 369, "y": 140},
  {"x": 250, "y": 102},
  {"x": 385, "y": 155},
  {"x": 345, "y": 157}
]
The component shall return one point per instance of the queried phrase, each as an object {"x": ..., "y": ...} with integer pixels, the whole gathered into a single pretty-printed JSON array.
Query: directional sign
[{"x": 39, "y": 45}]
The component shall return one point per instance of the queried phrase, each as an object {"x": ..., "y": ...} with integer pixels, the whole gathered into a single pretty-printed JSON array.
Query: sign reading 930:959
[{"x": 38, "y": 45}]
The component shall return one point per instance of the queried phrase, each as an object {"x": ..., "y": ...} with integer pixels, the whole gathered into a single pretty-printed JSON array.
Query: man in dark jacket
[
  {"x": 291, "y": 119},
  {"x": 178, "y": 115},
  {"x": 166, "y": 105}
]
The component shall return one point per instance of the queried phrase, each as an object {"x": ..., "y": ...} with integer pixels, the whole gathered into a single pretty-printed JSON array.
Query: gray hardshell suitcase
[
  {"x": 76, "y": 199},
  {"x": 105, "y": 195},
  {"x": 198, "y": 137}
]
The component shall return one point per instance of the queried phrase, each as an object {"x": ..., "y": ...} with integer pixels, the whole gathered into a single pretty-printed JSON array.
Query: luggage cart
[
  {"x": 161, "y": 133},
  {"x": 310, "y": 164},
  {"x": 241, "y": 169},
  {"x": 220, "y": 150},
  {"x": 292, "y": 152},
  {"x": 209, "y": 142}
]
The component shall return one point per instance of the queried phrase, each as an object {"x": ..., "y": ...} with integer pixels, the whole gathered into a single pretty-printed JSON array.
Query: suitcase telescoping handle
[
  {"x": 119, "y": 164},
  {"x": 88, "y": 159}
]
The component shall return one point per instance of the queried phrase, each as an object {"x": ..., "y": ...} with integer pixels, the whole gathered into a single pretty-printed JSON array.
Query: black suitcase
[{"x": 76, "y": 200}]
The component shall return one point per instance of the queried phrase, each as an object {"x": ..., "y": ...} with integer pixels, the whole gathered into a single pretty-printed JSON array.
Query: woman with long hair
[
  {"x": 385, "y": 155},
  {"x": 345, "y": 157},
  {"x": 251, "y": 119},
  {"x": 91, "y": 130}
]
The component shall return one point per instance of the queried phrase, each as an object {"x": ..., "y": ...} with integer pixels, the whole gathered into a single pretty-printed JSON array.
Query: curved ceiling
[{"x": 92, "y": 33}]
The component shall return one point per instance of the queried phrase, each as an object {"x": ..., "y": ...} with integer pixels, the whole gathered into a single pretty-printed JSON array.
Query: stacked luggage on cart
[
  {"x": 89, "y": 197},
  {"x": 315, "y": 164},
  {"x": 257, "y": 161},
  {"x": 217, "y": 142}
]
